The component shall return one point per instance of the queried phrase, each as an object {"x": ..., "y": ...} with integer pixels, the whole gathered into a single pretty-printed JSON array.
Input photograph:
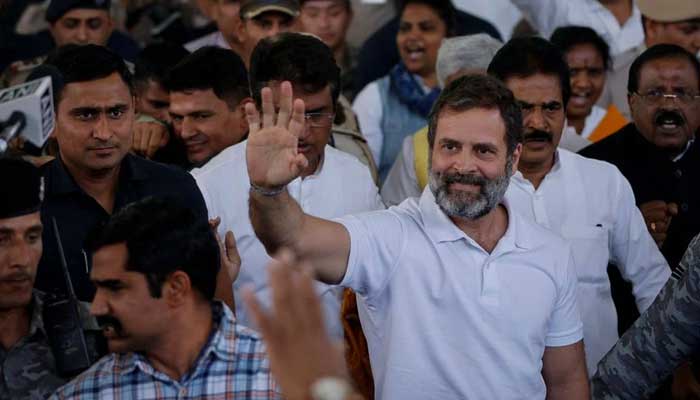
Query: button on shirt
[
  {"x": 232, "y": 365},
  {"x": 77, "y": 214},
  {"x": 342, "y": 185},
  {"x": 443, "y": 318},
  {"x": 591, "y": 205}
]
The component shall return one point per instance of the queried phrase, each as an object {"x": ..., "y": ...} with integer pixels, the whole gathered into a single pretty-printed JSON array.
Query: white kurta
[{"x": 591, "y": 204}]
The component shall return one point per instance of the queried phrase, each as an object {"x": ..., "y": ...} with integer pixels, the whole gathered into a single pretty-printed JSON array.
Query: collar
[
  {"x": 221, "y": 343},
  {"x": 440, "y": 227},
  {"x": 62, "y": 182},
  {"x": 652, "y": 151},
  {"x": 556, "y": 168},
  {"x": 687, "y": 147}
]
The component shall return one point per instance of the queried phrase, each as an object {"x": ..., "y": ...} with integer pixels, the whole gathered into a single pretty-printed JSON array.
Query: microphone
[{"x": 32, "y": 102}]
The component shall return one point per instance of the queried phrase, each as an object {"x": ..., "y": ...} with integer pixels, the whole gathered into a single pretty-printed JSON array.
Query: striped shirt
[{"x": 233, "y": 365}]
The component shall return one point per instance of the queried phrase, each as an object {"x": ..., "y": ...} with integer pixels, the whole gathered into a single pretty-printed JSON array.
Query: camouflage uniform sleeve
[{"x": 667, "y": 334}]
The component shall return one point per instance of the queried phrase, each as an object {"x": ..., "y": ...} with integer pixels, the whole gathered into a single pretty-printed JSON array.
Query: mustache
[
  {"x": 466, "y": 179},
  {"x": 16, "y": 276},
  {"x": 538, "y": 135},
  {"x": 669, "y": 116},
  {"x": 105, "y": 321}
]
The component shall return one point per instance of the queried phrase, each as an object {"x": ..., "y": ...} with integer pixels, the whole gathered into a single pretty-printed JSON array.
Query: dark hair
[
  {"x": 163, "y": 237},
  {"x": 657, "y": 52},
  {"x": 83, "y": 63},
  {"x": 444, "y": 9},
  {"x": 302, "y": 59},
  {"x": 566, "y": 37},
  {"x": 213, "y": 68},
  {"x": 154, "y": 61},
  {"x": 526, "y": 56},
  {"x": 479, "y": 91}
]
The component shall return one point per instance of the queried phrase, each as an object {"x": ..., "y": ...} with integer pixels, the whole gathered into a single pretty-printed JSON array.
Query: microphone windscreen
[{"x": 57, "y": 81}]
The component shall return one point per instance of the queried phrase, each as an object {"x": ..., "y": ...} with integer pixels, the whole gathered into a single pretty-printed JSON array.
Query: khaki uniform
[{"x": 347, "y": 137}]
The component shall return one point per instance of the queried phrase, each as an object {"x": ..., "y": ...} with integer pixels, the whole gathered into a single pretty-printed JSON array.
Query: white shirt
[
  {"x": 443, "y": 318},
  {"x": 547, "y": 15},
  {"x": 341, "y": 186},
  {"x": 211, "y": 39},
  {"x": 591, "y": 205},
  {"x": 502, "y": 14}
]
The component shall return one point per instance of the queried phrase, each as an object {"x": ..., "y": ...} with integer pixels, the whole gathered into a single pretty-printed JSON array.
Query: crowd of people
[{"x": 353, "y": 199}]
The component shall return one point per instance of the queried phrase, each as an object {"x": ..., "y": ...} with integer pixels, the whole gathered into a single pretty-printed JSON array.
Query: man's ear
[
  {"x": 243, "y": 121},
  {"x": 177, "y": 288},
  {"x": 516, "y": 157}
]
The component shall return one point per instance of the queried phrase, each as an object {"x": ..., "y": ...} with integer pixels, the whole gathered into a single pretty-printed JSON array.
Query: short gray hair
[{"x": 472, "y": 52}]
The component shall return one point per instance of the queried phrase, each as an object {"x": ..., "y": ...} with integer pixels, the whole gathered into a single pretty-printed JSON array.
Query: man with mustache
[
  {"x": 155, "y": 269},
  {"x": 587, "y": 202},
  {"x": 459, "y": 296},
  {"x": 94, "y": 174},
  {"x": 658, "y": 152},
  {"x": 27, "y": 365}
]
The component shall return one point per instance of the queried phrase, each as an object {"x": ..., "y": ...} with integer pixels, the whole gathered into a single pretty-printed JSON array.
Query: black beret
[
  {"x": 21, "y": 188},
  {"x": 58, "y": 8}
]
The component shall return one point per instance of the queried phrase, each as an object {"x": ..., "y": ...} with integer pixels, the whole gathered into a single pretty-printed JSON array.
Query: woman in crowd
[
  {"x": 398, "y": 104},
  {"x": 588, "y": 56}
]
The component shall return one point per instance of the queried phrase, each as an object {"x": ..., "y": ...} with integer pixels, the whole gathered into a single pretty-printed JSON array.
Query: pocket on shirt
[{"x": 589, "y": 245}]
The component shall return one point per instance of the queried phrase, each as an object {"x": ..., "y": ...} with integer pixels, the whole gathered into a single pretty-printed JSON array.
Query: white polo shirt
[
  {"x": 443, "y": 318},
  {"x": 342, "y": 185},
  {"x": 591, "y": 204}
]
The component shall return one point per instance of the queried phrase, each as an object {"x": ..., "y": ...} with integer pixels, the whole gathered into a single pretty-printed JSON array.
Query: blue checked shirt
[{"x": 233, "y": 365}]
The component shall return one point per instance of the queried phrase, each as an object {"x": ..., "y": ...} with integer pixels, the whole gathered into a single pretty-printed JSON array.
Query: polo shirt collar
[
  {"x": 440, "y": 227},
  {"x": 62, "y": 182}
]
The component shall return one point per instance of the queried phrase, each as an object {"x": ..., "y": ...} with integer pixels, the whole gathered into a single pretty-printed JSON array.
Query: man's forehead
[
  {"x": 21, "y": 223},
  {"x": 303, "y": 92},
  {"x": 539, "y": 86},
  {"x": 189, "y": 99},
  {"x": 103, "y": 92},
  {"x": 677, "y": 69},
  {"x": 85, "y": 13}
]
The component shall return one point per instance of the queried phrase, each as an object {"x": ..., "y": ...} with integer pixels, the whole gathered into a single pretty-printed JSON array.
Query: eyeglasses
[
  {"x": 656, "y": 97},
  {"x": 319, "y": 120}
]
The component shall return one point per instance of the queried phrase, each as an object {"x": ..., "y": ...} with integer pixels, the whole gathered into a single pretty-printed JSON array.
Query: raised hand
[
  {"x": 301, "y": 352},
  {"x": 271, "y": 154}
]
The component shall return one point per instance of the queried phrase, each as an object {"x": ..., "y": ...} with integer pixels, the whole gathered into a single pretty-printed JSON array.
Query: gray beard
[{"x": 469, "y": 205}]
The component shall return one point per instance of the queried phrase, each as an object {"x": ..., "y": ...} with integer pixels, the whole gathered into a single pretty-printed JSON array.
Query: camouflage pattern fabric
[
  {"x": 666, "y": 335},
  {"x": 28, "y": 369}
]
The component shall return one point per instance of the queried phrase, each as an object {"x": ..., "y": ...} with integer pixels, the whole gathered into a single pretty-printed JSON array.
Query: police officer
[
  {"x": 27, "y": 364},
  {"x": 74, "y": 22}
]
